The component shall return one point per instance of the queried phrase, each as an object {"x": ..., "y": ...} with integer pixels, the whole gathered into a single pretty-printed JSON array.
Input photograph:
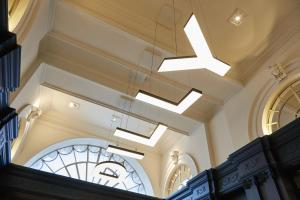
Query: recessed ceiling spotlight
[
  {"x": 237, "y": 17},
  {"x": 74, "y": 105}
]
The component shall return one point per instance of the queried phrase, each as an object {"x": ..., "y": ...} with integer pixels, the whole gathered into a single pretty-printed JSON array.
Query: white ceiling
[
  {"x": 110, "y": 41},
  {"x": 98, "y": 53}
]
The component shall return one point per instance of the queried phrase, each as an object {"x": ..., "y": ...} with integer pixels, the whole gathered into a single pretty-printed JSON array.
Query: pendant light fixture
[
  {"x": 135, "y": 137},
  {"x": 203, "y": 58},
  {"x": 125, "y": 152},
  {"x": 188, "y": 100}
]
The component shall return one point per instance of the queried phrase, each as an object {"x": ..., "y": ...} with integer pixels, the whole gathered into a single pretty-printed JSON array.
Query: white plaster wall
[
  {"x": 43, "y": 134},
  {"x": 230, "y": 127},
  {"x": 220, "y": 136},
  {"x": 240, "y": 120},
  {"x": 40, "y": 24}
]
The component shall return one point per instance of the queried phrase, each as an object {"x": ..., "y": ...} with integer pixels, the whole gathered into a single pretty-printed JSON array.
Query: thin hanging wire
[
  {"x": 153, "y": 55},
  {"x": 134, "y": 80},
  {"x": 175, "y": 29},
  {"x": 204, "y": 22},
  {"x": 175, "y": 35}
]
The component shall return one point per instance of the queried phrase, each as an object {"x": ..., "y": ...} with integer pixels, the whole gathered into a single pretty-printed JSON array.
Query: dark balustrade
[
  {"x": 10, "y": 60},
  {"x": 25, "y": 183},
  {"x": 265, "y": 169}
]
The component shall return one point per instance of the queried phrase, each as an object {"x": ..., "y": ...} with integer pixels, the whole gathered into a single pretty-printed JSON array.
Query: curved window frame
[
  {"x": 171, "y": 166},
  {"x": 134, "y": 164},
  {"x": 277, "y": 102}
]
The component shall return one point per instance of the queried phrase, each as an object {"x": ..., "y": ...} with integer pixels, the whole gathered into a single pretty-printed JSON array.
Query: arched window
[
  {"x": 92, "y": 163},
  {"x": 283, "y": 107},
  {"x": 179, "y": 170},
  {"x": 179, "y": 178}
]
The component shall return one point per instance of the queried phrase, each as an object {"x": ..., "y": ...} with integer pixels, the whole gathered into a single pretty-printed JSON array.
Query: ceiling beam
[
  {"x": 130, "y": 66},
  {"x": 111, "y": 107}
]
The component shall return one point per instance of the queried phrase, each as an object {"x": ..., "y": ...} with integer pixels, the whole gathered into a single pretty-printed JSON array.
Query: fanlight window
[
  {"x": 179, "y": 178},
  {"x": 93, "y": 164},
  {"x": 283, "y": 109}
]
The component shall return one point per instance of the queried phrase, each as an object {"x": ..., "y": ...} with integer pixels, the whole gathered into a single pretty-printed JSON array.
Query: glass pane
[{"x": 80, "y": 162}]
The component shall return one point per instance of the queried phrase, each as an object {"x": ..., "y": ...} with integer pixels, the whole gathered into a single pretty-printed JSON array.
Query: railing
[
  {"x": 265, "y": 169},
  {"x": 10, "y": 60},
  {"x": 19, "y": 182}
]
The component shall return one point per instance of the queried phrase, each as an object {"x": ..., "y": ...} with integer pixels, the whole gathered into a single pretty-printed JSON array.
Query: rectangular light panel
[
  {"x": 125, "y": 152},
  {"x": 135, "y": 137},
  {"x": 179, "y": 108}
]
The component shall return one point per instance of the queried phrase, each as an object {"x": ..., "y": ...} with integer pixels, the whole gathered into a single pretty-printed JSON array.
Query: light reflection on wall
[{"x": 16, "y": 11}]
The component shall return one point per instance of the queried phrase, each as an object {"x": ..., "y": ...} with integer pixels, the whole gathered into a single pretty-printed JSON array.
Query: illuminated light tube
[
  {"x": 125, "y": 152},
  {"x": 203, "y": 58},
  {"x": 135, "y": 137},
  {"x": 179, "y": 108}
]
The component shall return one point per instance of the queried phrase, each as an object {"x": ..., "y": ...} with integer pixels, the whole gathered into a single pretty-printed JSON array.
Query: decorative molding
[
  {"x": 176, "y": 159},
  {"x": 27, "y": 117},
  {"x": 229, "y": 180},
  {"x": 278, "y": 72},
  {"x": 201, "y": 191}
]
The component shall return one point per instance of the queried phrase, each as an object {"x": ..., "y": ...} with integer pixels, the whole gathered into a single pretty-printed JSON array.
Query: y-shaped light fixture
[{"x": 203, "y": 58}]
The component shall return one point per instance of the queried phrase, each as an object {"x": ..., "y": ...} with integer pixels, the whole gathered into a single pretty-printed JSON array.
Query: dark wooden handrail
[{"x": 3, "y": 17}]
